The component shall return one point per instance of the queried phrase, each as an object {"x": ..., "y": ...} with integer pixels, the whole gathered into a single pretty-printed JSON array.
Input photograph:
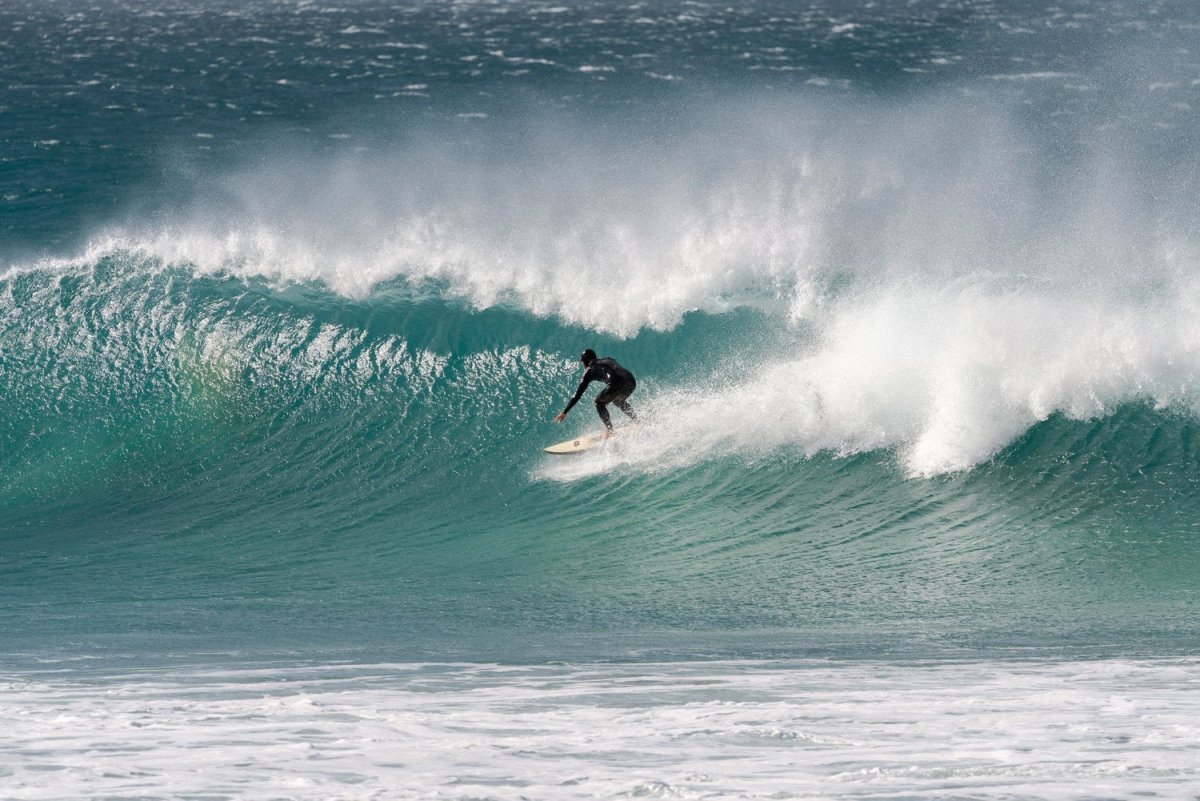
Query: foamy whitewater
[
  {"x": 684, "y": 730},
  {"x": 289, "y": 292}
]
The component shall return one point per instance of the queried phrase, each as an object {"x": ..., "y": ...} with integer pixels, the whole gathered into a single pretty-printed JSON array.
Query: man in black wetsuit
[{"x": 620, "y": 385}]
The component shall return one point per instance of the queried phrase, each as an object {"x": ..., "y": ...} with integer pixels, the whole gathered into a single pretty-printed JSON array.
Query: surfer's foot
[{"x": 608, "y": 433}]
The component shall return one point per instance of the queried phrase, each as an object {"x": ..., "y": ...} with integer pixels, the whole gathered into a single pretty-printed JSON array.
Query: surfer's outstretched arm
[{"x": 587, "y": 379}]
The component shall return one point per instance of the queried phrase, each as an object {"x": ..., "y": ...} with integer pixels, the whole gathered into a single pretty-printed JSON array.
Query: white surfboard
[{"x": 585, "y": 442}]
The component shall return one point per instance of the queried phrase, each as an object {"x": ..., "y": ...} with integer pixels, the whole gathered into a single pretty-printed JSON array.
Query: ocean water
[{"x": 290, "y": 290}]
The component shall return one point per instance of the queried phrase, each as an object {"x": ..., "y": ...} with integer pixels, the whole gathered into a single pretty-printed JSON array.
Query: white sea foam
[
  {"x": 944, "y": 376},
  {"x": 1046, "y": 730}
]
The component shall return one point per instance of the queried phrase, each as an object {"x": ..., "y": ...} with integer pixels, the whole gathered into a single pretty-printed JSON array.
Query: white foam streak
[{"x": 1047, "y": 730}]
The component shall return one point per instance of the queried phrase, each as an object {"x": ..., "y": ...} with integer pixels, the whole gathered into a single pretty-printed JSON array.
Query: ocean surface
[{"x": 290, "y": 291}]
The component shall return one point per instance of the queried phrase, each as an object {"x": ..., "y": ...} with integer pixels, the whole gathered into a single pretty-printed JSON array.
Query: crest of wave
[{"x": 619, "y": 225}]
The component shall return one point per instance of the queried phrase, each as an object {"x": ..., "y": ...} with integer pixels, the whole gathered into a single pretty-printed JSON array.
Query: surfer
[{"x": 619, "y": 382}]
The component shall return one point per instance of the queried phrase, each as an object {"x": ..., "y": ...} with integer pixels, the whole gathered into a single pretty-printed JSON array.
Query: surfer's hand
[{"x": 558, "y": 418}]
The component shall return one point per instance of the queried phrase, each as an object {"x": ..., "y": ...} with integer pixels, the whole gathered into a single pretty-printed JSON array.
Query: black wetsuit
[{"x": 620, "y": 385}]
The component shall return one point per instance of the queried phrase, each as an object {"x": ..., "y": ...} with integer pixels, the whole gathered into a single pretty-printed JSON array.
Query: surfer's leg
[
  {"x": 615, "y": 395},
  {"x": 624, "y": 406},
  {"x": 602, "y": 410}
]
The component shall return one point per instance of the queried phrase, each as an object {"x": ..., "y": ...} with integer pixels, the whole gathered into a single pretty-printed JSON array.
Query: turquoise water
[
  {"x": 290, "y": 291},
  {"x": 211, "y": 457}
]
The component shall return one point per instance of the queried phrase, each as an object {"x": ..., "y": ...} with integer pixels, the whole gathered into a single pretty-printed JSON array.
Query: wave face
[{"x": 916, "y": 334}]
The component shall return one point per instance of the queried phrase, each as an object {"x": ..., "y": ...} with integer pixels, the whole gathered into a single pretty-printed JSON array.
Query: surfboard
[{"x": 585, "y": 442}]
